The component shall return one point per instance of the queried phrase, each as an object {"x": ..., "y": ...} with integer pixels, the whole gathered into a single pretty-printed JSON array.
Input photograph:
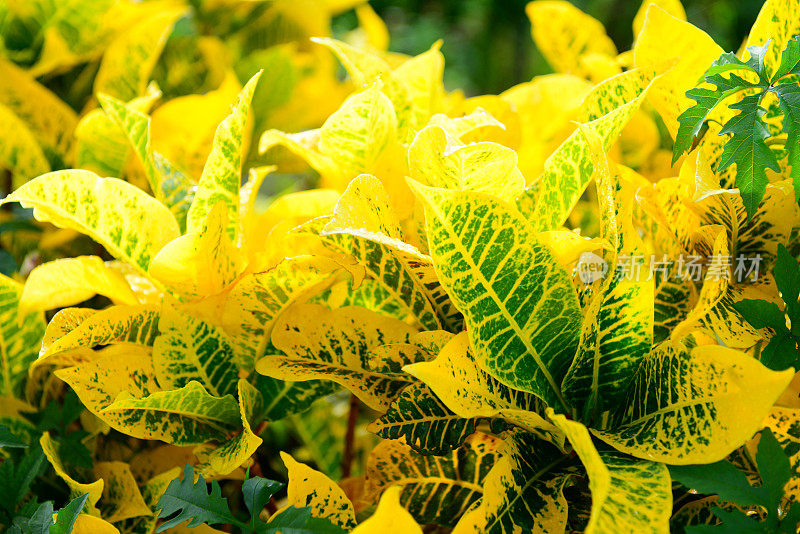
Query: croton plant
[{"x": 570, "y": 307}]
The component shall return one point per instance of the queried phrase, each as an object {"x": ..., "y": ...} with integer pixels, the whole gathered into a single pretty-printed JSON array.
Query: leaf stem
[{"x": 349, "y": 437}]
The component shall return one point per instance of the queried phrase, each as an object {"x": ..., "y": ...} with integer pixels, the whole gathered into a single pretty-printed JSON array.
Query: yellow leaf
[
  {"x": 132, "y": 225},
  {"x": 342, "y": 346},
  {"x": 390, "y": 516},
  {"x": 310, "y": 488},
  {"x": 76, "y": 489},
  {"x": 628, "y": 495},
  {"x": 129, "y": 59},
  {"x": 70, "y": 281},
  {"x": 439, "y": 160},
  {"x": 121, "y": 496},
  {"x": 673, "y": 7},
  {"x": 20, "y": 152},
  {"x": 663, "y": 37},
  {"x": 200, "y": 263},
  {"x": 89, "y": 524},
  {"x": 563, "y": 33},
  {"x": 779, "y": 22}
]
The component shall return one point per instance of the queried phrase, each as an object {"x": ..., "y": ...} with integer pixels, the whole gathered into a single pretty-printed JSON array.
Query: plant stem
[{"x": 349, "y": 437}]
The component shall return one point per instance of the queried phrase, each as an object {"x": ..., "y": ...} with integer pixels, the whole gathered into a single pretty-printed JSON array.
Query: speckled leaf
[
  {"x": 184, "y": 416},
  {"x": 523, "y": 491},
  {"x": 121, "y": 496},
  {"x": 129, "y": 59},
  {"x": 223, "y": 459},
  {"x": 436, "y": 489},
  {"x": 188, "y": 349},
  {"x": 310, "y": 488},
  {"x": 424, "y": 421},
  {"x": 364, "y": 225},
  {"x": 76, "y": 489},
  {"x": 45, "y": 115},
  {"x": 628, "y": 494},
  {"x": 469, "y": 391},
  {"x": 258, "y": 299},
  {"x": 70, "y": 281},
  {"x": 689, "y": 407},
  {"x": 20, "y": 152},
  {"x": 482, "y": 246},
  {"x": 117, "y": 324},
  {"x": 778, "y": 22},
  {"x": 359, "y": 349},
  {"x": 608, "y": 107},
  {"x": 437, "y": 159},
  {"x": 132, "y": 225},
  {"x": 170, "y": 185},
  {"x": 618, "y": 321},
  {"x": 20, "y": 337},
  {"x": 222, "y": 174}
]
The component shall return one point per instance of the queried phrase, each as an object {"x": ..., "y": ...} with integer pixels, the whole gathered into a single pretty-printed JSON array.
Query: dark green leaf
[
  {"x": 762, "y": 314},
  {"x": 790, "y": 59},
  {"x": 299, "y": 521},
  {"x": 773, "y": 466},
  {"x": 66, "y": 516},
  {"x": 257, "y": 492},
  {"x": 185, "y": 499},
  {"x": 781, "y": 352},
  {"x": 721, "y": 478},
  {"x": 789, "y": 102},
  {"x": 787, "y": 278},
  {"x": 9, "y": 440}
]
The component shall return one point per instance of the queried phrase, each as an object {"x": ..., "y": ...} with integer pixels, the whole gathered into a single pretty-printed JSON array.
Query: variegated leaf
[
  {"x": 628, "y": 494},
  {"x": 132, "y": 225},
  {"x": 424, "y": 421},
  {"x": 436, "y": 489},
  {"x": 121, "y": 497},
  {"x": 188, "y": 349},
  {"x": 524, "y": 489},
  {"x": 469, "y": 391},
  {"x": 51, "y": 449},
  {"x": 117, "y": 324},
  {"x": 688, "y": 407},
  {"x": 618, "y": 322},
  {"x": 170, "y": 185},
  {"x": 222, "y": 174},
  {"x": 482, "y": 246},
  {"x": 548, "y": 201},
  {"x": 184, "y": 416},
  {"x": 129, "y": 59},
  {"x": 20, "y": 337},
  {"x": 438, "y": 159},
  {"x": 359, "y": 349},
  {"x": 20, "y": 152},
  {"x": 221, "y": 460},
  {"x": 310, "y": 488},
  {"x": 364, "y": 225}
]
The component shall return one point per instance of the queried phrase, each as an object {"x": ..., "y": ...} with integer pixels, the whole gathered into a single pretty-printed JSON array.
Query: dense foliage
[{"x": 570, "y": 307}]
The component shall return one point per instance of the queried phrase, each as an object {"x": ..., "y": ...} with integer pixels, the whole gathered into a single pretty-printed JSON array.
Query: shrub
[{"x": 546, "y": 324}]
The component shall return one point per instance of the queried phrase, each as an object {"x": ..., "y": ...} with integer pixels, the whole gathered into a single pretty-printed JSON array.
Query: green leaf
[
  {"x": 256, "y": 493},
  {"x": 720, "y": 478},
  {"x": 789, "y": 102},
  {"x": 747, "y": 148},
  {"x": 299, "y": 521},
  {"x": 67, "y": 515},
  {"x": 787, "y": 278},
  {"x": 774, "y": 467},
  {"x": 525, "y": 323},
  {"x": 187, "y": 499},
  {"x": 781, "y": 352},
  {"x": 9, "y": 440},
  {"x": 222, "y": 174},
  {"x": 524, "y": 488},
  {"x": 762, "y": 314},
  {"x": 425, "y": 422}
]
